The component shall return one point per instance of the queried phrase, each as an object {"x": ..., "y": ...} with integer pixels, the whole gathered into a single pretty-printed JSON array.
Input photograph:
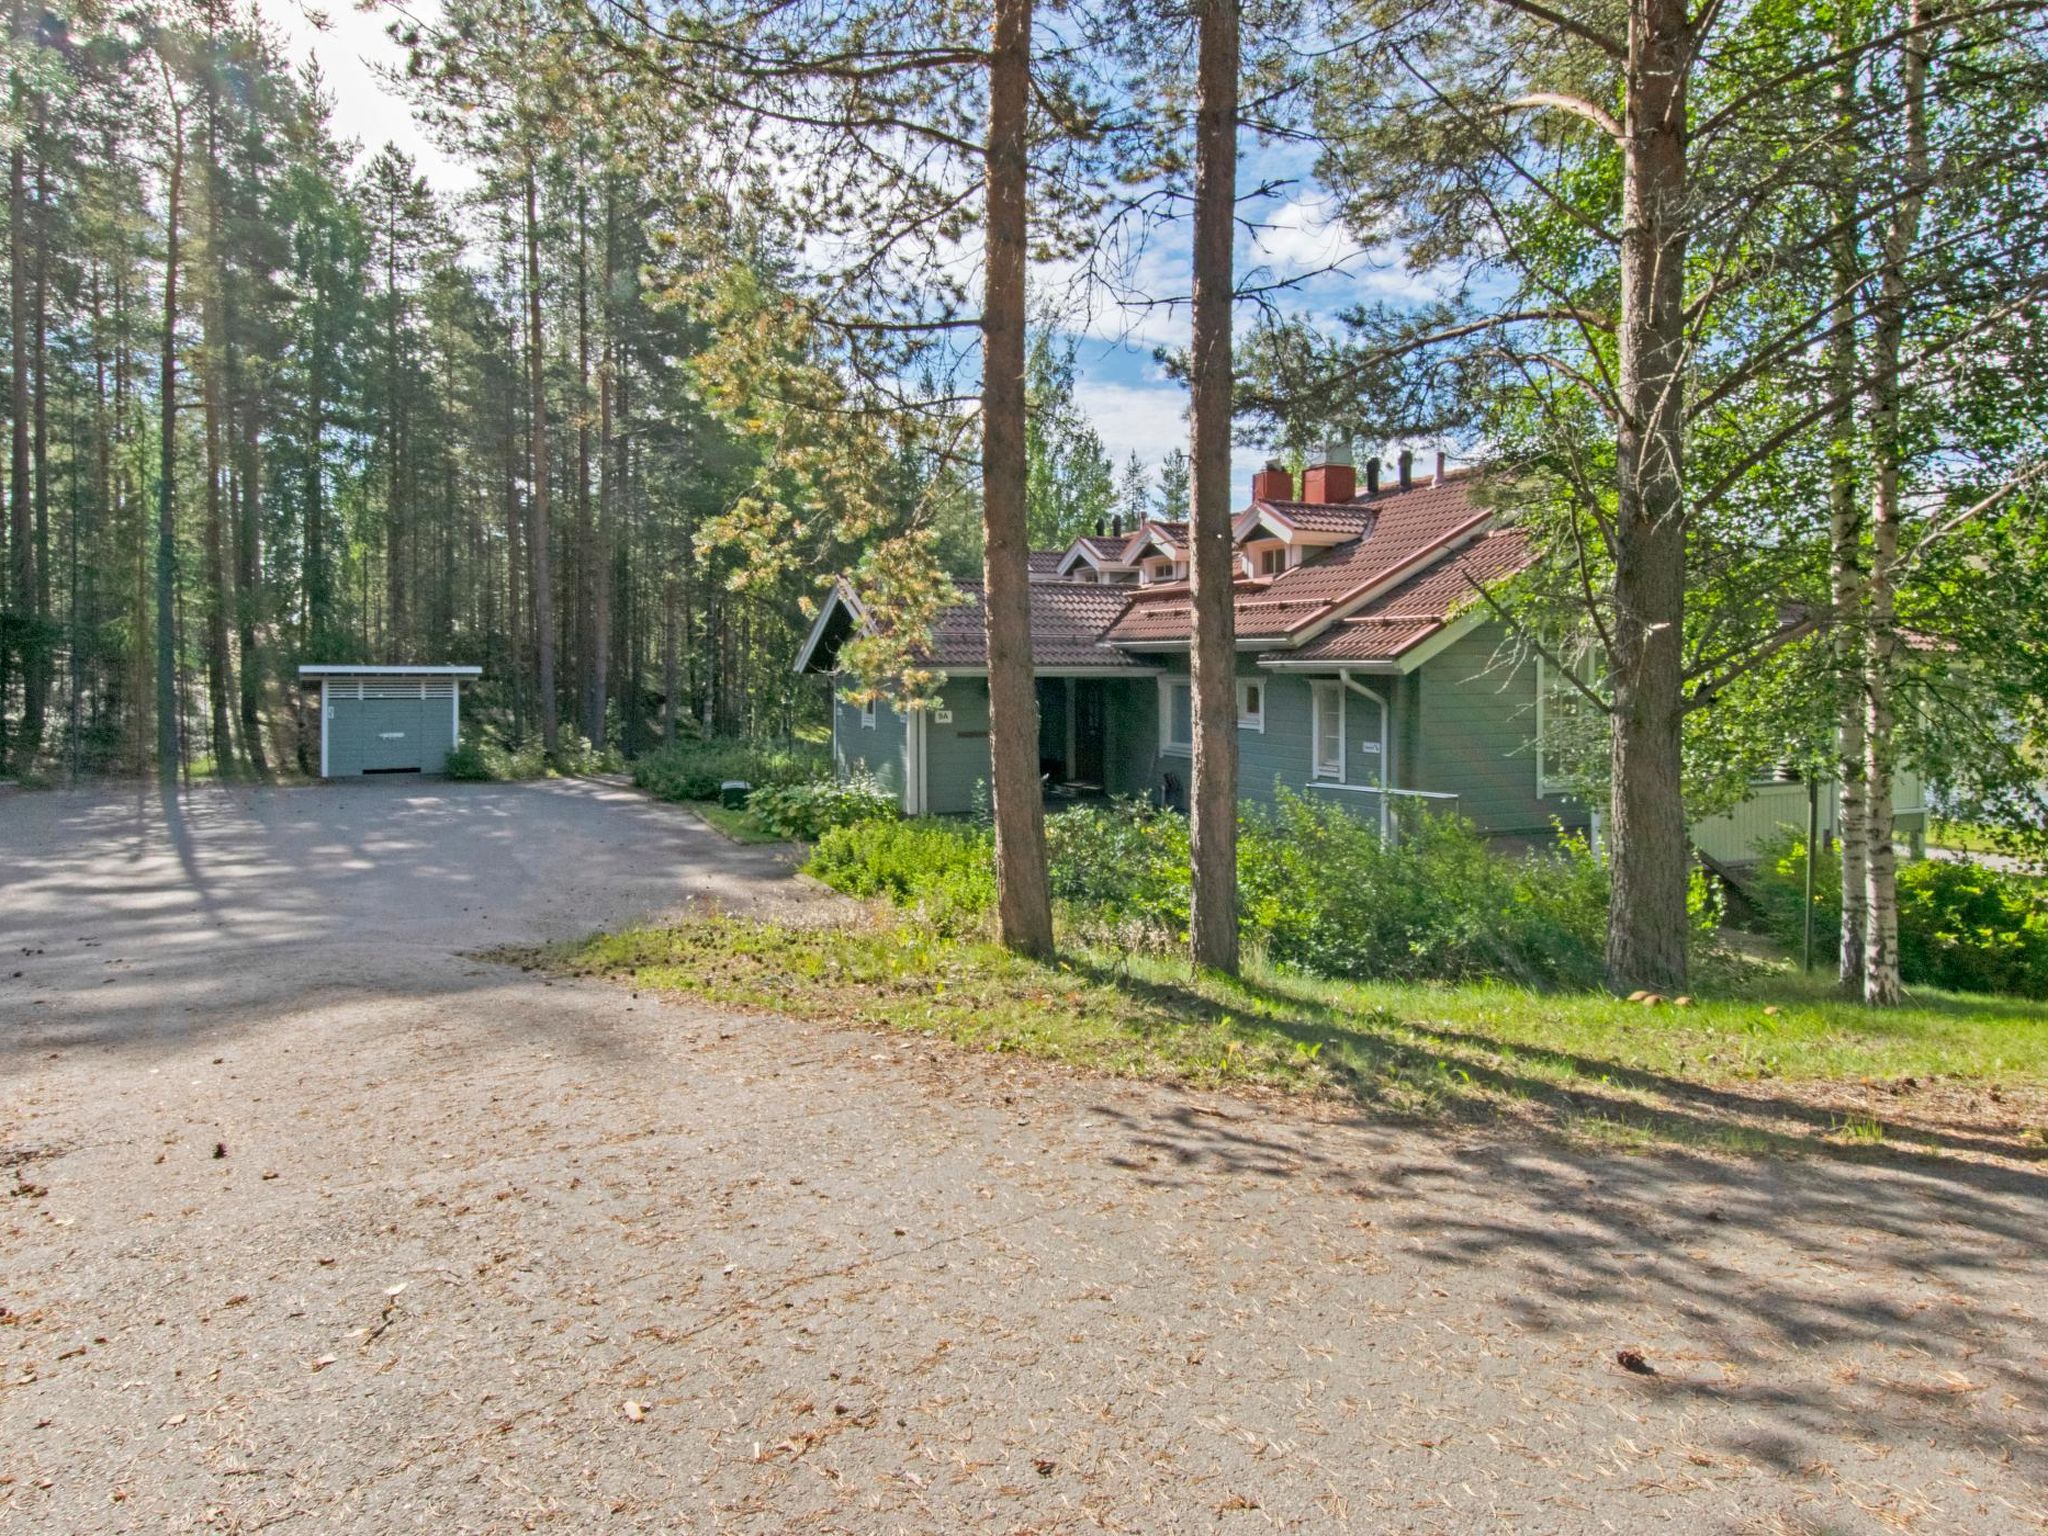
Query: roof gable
[{"x": 1415, "y": 562}]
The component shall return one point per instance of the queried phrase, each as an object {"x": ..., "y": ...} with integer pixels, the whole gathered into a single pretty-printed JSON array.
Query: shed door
[{"x": 380, "y": 734}]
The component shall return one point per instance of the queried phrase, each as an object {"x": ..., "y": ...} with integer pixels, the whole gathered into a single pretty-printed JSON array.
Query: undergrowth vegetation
[
  {"x": 486, "y": 762},
  {"x": 804, "y": 812},
  {"x": 1320, "y": 889},
  {"x": 693, "y": 769},
  {"x": 489, "y": 762},
  {"x": 1961, "y": 926}
]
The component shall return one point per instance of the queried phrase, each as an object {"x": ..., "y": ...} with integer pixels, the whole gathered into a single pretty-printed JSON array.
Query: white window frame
[
  {"x": 1249, "y": 720},
  {"x": 1546, "y": 786},
  {"x": 867, "y": 713},
  {"x": 1167, "y": 745},
  {"x": 1316, "y": 767}
]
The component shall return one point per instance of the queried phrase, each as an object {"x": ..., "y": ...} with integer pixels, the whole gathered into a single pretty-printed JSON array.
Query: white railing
[{"x": 1437, "y": 798}]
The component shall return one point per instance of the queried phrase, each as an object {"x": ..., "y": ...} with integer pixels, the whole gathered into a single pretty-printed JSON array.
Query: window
[
  {"x": 1272, "y": 561},
  {"x": 1327, "y": 749},
  {"x": 1251, "y": 705},
  {"x": 1176, "y": 715},
  {"x": 1571, "y": 731},
  {"x": 867, "y": 713}
]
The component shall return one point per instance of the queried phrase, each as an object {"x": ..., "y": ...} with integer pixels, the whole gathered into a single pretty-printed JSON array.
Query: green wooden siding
[
  {"x": 956, "y": 750},
  {"x": 384, "y": 734},
  {"x": 876, "y": 749},
  {"x": 1131, "y": 760},
  {"x": 1475, "y": 735},
  {"x": 1279, "y": 756}
]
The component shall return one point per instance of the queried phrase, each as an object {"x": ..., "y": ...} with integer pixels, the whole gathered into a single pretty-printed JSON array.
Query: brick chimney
[
  {"x": 1407, "y": 469},
  {"x": 1331, "y": 479},
  {"x": 1372, "y": 475},
  {"x": 1273, "y": 483}
]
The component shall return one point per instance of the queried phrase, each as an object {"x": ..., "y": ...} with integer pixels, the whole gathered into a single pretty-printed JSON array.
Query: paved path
[{"x": 853, "y": 1282}]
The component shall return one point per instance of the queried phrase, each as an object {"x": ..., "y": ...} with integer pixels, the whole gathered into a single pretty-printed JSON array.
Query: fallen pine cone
[{"x": 1632, "y": 1360}]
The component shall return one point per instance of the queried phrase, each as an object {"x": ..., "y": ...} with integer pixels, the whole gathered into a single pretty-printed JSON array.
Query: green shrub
[
  {"x": 1961, "y": 926},
  {"x": 806, "y": 811},
  {"x": 1323, "y": 892},
  {"x": 693, "y": 769},
  {"x": 485, "y": 762},
  {"x": 945, "y": 867},
  {"x": 1122, "y": 866},
  {"x": 467, "y": 763},
  {"x": 1972, "y": 929},
  {"x": 575, "y": 754},
  {"x": 1318, "y": 888}
]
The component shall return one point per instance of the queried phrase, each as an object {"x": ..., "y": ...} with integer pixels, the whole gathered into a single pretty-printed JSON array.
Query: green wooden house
[{"x": 1370, "y": 672}]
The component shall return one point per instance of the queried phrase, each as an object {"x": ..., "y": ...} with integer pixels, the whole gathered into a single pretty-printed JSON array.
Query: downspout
[{"x": 1386, "y": 751}]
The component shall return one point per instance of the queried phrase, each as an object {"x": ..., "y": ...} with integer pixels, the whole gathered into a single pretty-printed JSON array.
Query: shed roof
[{"x": 365, "y": 669}]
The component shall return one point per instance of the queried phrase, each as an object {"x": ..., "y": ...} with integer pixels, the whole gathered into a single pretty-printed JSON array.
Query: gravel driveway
[{"x": 320, "y": 1224}]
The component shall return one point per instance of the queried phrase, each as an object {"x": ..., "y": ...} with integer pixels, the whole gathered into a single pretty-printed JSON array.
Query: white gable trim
[
  {"x": 1421, "y": 561},
  {"x": 1429, "y": 649},
  {"x": 841, "y": 597},
  {"x": 1271, "y": 519}
]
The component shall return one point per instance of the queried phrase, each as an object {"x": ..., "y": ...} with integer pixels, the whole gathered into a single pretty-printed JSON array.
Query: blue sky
[{"x": 1132, "y": 404}]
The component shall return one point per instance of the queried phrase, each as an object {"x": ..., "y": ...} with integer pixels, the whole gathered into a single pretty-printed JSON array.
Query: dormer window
[{"x": 1273, "y": 561}]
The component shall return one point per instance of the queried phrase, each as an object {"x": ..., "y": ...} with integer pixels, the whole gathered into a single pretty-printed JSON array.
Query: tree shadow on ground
[
  {"x": 1865, "y": 1292},
  {"x": 1473, "y": 1077}
]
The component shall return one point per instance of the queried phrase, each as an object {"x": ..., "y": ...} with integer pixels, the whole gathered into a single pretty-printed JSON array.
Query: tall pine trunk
[
  {"x": 396, "y": 388},
  {"x": 671, "y": 677},
  {"x": 315, "y": 618},
  {"x": 249, "y": 584},
  {"x": 41, "y": 665},
  {"x": 1902, "y": 231},
  {"x": 1212, "y": 650},
  {"x": 23, "y": 578},
  {"x": 1846, "y": 536},
  {"x": 539, "y": 562},
  {"x": 213, "y": 354},
  {"x": 1646, "y": 933},
  {"x": 597, "y": 689},
  {"x": 590, "y": 695},
  {"x": 166, "y": 516},
  {"x": 1023, "y": 896}
]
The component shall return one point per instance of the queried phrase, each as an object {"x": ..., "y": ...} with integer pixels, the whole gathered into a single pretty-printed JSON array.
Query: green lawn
[
  {"x": 739, "y": 825},
  {"x": 1771, "y": 1063},
  {"x": 1972, "y": 837}
]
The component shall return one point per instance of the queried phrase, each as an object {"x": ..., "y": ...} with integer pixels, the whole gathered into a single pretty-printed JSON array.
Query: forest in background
[
  {"x": 272, "y": 402},
  {"x": 1740, "y": 309}
]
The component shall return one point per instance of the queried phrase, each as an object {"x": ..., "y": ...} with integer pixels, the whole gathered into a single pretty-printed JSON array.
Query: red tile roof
[
  {"x": 1323, "y": 517},
  {"x": 1414, "y": 564},
  {"x": 1401, "y": 527},
  {"x": 1423, "y": 604},
  {"x": 1067, "y": 621}
]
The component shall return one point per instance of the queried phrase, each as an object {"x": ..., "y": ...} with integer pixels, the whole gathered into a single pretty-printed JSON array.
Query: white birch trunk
[{"x": 1881, "y": 931}]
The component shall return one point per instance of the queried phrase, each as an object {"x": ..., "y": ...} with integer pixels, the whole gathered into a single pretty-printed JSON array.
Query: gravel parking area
[{"x": 320, "y": 1223}]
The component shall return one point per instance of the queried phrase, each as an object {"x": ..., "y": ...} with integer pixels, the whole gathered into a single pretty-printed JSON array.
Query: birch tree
[{"x": 1673, "y": 275}]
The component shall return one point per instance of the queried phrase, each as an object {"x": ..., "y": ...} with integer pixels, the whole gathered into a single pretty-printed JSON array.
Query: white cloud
[
  {"x": 1135, "y": 418},
  {"x": 1300, "y": 237}
]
